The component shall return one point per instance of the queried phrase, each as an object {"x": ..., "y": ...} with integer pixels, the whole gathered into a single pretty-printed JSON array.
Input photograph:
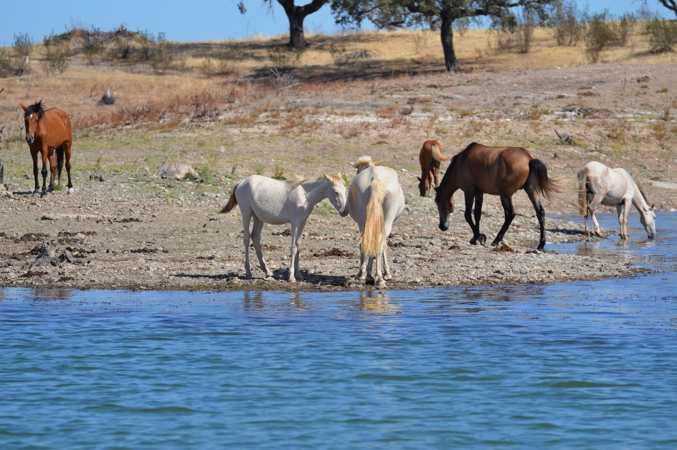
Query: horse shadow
[
  {"x": 567, "y": 231},
  {"x": 281, "y": 275},
  {"x": 312, "y": 278},
  {"x": 209, "y": 276}
]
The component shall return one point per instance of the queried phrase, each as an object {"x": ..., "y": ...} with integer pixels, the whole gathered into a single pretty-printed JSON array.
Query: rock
[
  {"x": 107, "y": 98},
  {"x": 178, "y": 171}
]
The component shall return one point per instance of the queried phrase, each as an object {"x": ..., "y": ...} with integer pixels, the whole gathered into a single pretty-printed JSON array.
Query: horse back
[{"x": 496, "y": 170}]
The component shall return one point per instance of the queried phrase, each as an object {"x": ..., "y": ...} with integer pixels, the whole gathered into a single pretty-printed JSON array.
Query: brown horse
[
  {"x": 429, "y": 157},
  {"x": 48, "y": 131},
  {"x": 480, "y": 170}
]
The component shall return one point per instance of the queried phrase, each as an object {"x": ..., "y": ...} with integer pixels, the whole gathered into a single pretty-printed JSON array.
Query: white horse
[
  {"x": 375, "y": 202},
  {"x": 599, "y": 184},
  {"x": 267, "y": 200}
]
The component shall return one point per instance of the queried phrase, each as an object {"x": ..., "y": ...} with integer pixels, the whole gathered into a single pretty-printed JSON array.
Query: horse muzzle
[{"x": 30, "y": 139}]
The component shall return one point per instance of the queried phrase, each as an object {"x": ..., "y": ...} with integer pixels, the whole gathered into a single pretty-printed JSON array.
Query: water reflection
[
  {"x": 377, "y": 302},
  {"x": 50, "y": 293},
  {"x": 252, "y": 300}
]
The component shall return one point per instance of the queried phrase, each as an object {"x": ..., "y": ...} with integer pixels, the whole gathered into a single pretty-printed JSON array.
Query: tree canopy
[{"x": 407, "y": 13}]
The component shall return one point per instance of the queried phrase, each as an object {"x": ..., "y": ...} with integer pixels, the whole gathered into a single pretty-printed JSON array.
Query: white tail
[{"x": 371, "y": 243}]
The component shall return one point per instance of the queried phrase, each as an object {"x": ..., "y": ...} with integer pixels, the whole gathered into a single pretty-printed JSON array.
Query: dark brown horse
[
  {"x": 48, "y": 132},
  {"x": 480, "y": 170}
]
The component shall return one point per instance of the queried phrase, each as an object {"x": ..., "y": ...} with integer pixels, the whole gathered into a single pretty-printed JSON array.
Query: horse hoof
[
  {"x": 381, "y": 283},
  {"x": 387, "y": 277},
  {"x": 70, "y": 190},
  {"x": 495, "y": 243},
  {"x": 473, "y": 241},
  {"x": 482, "y": 238}
]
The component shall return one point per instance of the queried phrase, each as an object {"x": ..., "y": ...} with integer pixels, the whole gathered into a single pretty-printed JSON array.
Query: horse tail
[
  {"x": 436, "y": 150},
  {"x": 231, "y": 202},
  {"x": 374, "y": 225},
  {"x": 538, "y": 179},
  {"x": 59, "y": 158},
  {"x": 582, "y": 192}
]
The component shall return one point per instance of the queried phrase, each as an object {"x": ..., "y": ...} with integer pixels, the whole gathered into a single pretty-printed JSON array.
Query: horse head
[
  {"x": 445, "y": 206},
  {"x": 338, "y": 195},
  {"x": 648, "y": 220},
  {"x": 32, "y": 116}
]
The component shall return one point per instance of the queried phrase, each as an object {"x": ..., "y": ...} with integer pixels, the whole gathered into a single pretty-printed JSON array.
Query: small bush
[
  {"x": 216, "y": 66},
  {"x": 566, "y": 24},
  {"x": 23, "y": 46},
  {"x": 57, "y": 53},
  {"x": 662, "y": 35},
  {"x": 162, "y": 57},
  {"x": 598, "y": 36},
  {"x": 93, "y": 44}
]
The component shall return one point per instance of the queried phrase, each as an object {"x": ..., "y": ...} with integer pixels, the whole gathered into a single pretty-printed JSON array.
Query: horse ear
[
  {"x": 24, "y": 107},
  {"x": 653, "y": 208}
]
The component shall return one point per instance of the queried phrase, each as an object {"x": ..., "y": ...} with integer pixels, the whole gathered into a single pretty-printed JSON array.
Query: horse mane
[
  {"x": 641, "y": 191},
  {"x": 36, "y": 108}
]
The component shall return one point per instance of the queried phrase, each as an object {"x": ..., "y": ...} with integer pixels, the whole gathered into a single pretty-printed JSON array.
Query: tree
[
  {"x": 399, "y": 13},
  {"x": 296, "y": 14},
  {"x": 670, "y": 4}
]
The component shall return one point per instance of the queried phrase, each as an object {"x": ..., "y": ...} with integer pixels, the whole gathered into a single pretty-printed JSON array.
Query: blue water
[{"x": 566, "y": 365}]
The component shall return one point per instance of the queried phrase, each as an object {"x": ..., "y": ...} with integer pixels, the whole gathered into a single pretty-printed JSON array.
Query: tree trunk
[
  {"x": 297, "y": 39},
  {"x": 447, "y": 36}
]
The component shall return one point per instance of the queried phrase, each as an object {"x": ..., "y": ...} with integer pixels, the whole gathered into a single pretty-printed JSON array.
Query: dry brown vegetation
[{"x": 301, "y": 108}]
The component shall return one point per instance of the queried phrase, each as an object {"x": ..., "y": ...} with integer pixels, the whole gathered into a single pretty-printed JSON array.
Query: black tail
[
  {"x": 59, "y": 161},
  {"x": 538, "y": 179}
]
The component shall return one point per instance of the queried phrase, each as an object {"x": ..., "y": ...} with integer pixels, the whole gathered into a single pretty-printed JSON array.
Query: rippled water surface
[{"x": 568, "y": 365}]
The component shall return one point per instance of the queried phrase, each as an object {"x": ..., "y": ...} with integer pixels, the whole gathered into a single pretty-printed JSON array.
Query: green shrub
[
  {"x": 566, "y": 23},
  {"x": 662, "y": 35}
]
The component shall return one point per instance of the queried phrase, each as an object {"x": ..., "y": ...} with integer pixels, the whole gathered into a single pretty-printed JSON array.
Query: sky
[{"x": 195, "y": 20}]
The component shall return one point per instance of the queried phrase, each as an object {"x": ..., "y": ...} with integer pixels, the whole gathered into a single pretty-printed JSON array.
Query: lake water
[{"x": 565, "y": 365}]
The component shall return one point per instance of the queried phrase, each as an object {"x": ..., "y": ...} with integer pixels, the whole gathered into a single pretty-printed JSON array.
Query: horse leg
[
  {"x": 540, "y": 215},
  {"x": 479, "y": 198},
  {"x": 506, "y": 201},
  {"x": 299, "y": 236},
  {"x": 59, "y": 164},
  {"x": 246, "y": 217},
  {"x": 469, "y": 200},
  {"x": 593, "y": 204},
  {"x": 44, "y": 153},
  {"x": 68, "y": 151},
  {"x": 34, "y": 155},
  {"x": 256, "y": 237},
  {"x": 293, "y": 251},
  {"x": 52, "y": 168},
  {"x": 378, "y": 275}
]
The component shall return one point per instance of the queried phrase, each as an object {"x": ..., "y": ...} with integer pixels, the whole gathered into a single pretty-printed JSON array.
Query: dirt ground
[{"x": 125, "y": 227}]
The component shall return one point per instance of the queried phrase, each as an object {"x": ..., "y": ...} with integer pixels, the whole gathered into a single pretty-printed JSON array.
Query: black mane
[{"x": 35, "y": 108}]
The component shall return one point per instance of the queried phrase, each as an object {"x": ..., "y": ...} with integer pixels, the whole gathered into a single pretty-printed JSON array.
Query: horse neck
[
  {"x": 316, "y": 191},
  {"x": 639, "y": 201},
  {"x": 449, "y": 184}
]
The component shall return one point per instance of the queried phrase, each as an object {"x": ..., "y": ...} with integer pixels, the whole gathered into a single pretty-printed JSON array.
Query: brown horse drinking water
[
  {"x": 480, "y": 170},
  {"x": 48, "y": 132},
  {"x": 430, "y": 157}
]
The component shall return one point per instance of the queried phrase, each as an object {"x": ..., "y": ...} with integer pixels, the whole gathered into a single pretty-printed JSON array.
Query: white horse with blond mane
[
  {"x": 266, "y": 200},
  {"x": 375, "y": 202},
  {"x": 601, "y": 185}
]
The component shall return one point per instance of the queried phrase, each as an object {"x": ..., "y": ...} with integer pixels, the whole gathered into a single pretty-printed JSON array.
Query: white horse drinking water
[
  {"x": 375, "y": 202},
  {"x": 599, "y": 184},
  {"x": 266, "y": 200}
]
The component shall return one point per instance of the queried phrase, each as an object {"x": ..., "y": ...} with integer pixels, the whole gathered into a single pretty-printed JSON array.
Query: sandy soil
[{"x": 127, "y": 228}]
